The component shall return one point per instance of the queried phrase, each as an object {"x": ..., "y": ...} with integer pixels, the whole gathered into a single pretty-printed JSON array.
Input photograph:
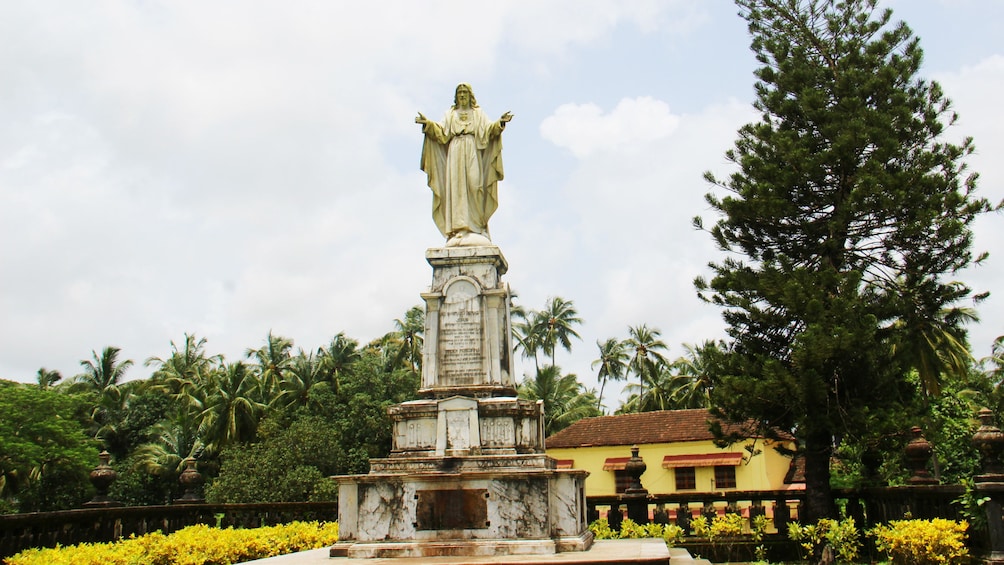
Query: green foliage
[
  {"x": 45, "y": 451},
  {"x": 292, "y": 463},
  {"x": 700, "y": 526},
  {"x": 758, "y": 529},
  {"x": 971, "y": 502},
  {"x": 545, "y": 330},
  {"x": 670, "y": 533},
  {"x": 842, "y": 536},
  {"x": 194, "y": 545},
  {"x": 601, "y": 529},
  {"x": 134, "y": 486},
  {"x": 922, "y": 542},
  {"x": 844, "y": 217},
  {"x": 565, "y": 400},
  {"x": 612, "y": 364},
  {"x": 950, "y": 427},
  {"x": 729, "y": 525},
  {"x": 359, "y": 411},
  {"x": 631, "y": 529}
]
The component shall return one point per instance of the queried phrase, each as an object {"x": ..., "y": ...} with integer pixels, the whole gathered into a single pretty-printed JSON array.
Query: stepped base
[
  {"x": 489, "y": 512},
  {"x": 605, "y": 552},
  {"x": 461, "y": 548}
]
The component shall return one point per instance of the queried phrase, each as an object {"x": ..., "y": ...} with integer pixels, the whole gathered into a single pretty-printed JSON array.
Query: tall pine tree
[{"x": 847, "y": 215}]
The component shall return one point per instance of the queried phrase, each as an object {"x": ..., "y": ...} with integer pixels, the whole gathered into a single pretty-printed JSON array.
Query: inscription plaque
[
  {"x": 460, "y": 336},
  {"x": 458, "y": 509}
]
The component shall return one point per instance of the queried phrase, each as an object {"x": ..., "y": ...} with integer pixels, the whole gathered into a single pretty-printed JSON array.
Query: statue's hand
[
  {"x": 506, "y": 118},
  {"x": 421, "y": 119}
]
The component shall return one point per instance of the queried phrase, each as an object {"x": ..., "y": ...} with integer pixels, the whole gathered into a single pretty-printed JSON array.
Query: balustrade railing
[{"x": 868, "y": 506}]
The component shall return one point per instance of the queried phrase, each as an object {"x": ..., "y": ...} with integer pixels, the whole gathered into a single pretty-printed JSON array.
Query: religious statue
[{"x": 463, "y": 160}]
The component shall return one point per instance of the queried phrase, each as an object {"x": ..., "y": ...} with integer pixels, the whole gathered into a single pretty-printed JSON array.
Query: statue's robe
[{"x": 463, "y": 161}]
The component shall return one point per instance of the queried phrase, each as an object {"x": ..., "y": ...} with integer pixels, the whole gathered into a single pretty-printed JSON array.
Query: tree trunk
[{"x": 818, "y": 497}]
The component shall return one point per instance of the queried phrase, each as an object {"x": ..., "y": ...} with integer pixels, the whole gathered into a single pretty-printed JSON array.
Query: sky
[{"x": 229, "y": 168}]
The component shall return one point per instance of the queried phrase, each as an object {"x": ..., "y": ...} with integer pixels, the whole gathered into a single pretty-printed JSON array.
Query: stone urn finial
[
  {"x": 634, "y": 468},
  {"x": 989, "y": 440},
  {"x": 918, "y": 454},
  {"x": 102, "y": 478},
  {"x": 192, "y": 480}
]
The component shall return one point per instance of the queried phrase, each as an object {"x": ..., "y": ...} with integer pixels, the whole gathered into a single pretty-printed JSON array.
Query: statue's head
[{"x": 464, "y": 87}]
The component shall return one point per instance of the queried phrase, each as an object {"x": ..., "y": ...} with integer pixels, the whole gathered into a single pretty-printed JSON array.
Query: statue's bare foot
[
  {"x": 456, "y": 240},
  {"x": 468, "y": 239}
]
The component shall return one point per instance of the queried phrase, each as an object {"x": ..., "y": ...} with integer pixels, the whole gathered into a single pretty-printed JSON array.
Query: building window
[
  {"x": 622, "y": 480},
  {"x": 725, "y": 477},
  {"x": 686, "y": 478}
]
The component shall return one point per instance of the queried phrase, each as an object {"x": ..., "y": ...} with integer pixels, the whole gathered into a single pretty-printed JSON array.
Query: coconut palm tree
[
  {"x": 936, "y": 346},
  {"x": 661, "y": 383},
  {"x": 565, "y": 400},
  {"x": 409, "y": 334},
  {"x": 647, "y": 351},
  {"x": 612, "y": 363},
  {"x": 692, "y": 386},
  {"x": 46, "y": 379},
  {"x": 993, "y": 364},
  {"x": 305, "y": 375},
  {"x": 102, "y": 377},
  {"x": 272, "y": 361},
  {"x": 102, "y": 372},
  {"x": 231, "y": 406},
  {"x": 183, "y": 370},
  {"x": 555, "y": 325},
  {"x": 338, "y": 357},
  {"x": 527, "y": 334},
  {"x": 175, "y": 440}
]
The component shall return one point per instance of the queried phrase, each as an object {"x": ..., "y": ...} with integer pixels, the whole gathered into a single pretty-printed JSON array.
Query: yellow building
[{"x": 678, "y": 449}]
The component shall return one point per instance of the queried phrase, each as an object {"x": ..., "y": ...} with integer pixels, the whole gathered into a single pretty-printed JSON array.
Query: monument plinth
[
  {"x": 467, "y": 474},
  {"x": 468, "y": 341}
]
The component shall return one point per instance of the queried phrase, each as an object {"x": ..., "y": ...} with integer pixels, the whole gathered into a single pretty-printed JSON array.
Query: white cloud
[
  {"x": 585, "y": 130},
  {"x": 974, "y": 90},
  {"x": 227, "y": 169}
]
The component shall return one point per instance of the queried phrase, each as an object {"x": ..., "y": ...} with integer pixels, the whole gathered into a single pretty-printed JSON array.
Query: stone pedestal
[{"x": 467, "y": 474}]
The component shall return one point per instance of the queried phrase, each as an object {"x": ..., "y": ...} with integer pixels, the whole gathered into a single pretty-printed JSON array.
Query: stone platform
[
  {"x": 604, "y": 552},
  {"x": 467, "y": 474}
]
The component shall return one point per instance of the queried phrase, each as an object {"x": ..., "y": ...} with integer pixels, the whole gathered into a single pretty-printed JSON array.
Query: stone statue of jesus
[{"x": 463, "y": 160}]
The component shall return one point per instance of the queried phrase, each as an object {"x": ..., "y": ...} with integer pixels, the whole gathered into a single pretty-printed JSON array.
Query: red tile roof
[{"x": 666, "y": 426}]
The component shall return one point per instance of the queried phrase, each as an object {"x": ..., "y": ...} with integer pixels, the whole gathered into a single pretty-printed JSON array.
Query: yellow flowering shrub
[
  {"x": 923, "y": 542},
  {"x": 194, "y": 545},
  {"x": 670, "y": 533},
  {"x": 699, "y": 526},
  {"x": 729, "y": 525},
  {"x": 601, "y": 529},
  {"x": 842, "y": 536}
]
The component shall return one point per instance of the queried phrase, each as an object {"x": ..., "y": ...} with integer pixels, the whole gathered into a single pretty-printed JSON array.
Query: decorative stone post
[
  {"x": 636, "y": 496},
  {"x": 684, "y": 517},
  {"x": 102, "y": 478},
  {"x": 989, "y": 440},
  {"x": 918, "y": 454},
  {"x": 192, "y": 480}
]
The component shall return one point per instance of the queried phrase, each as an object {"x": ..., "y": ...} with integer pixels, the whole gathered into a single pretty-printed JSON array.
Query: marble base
[
  {"x": 467, "y": 473},
  {"x": 534, "y": 511}
]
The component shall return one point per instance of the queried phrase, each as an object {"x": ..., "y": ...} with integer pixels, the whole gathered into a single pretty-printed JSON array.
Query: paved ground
[{"x": 602, "y": 552}]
